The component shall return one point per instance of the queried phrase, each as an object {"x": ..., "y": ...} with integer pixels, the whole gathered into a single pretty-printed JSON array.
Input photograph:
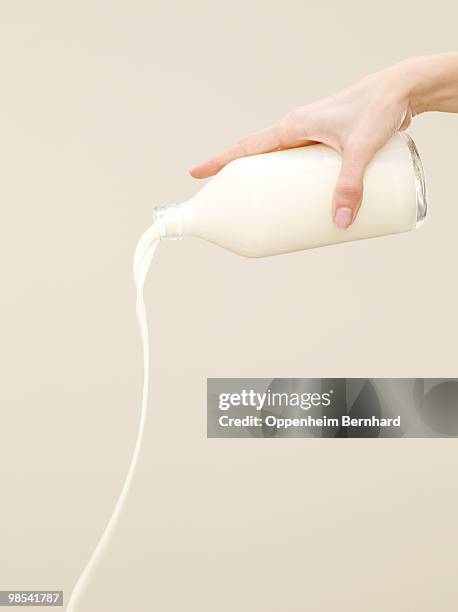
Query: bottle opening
[
  {"x": 419, "y": 176},
  {"x": 169, "y": 222}
]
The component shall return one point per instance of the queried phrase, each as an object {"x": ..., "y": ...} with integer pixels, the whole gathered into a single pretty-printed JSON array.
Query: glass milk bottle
[{"x": 282, "y": 201}]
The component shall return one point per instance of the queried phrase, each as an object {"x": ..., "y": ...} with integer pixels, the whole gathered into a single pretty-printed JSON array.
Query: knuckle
[
  {"x": 362, "y": 144},
  {"x": 294, "y": 117},
  {"x": 291, "y": 127},
  {"x": 349, "y": 191},
  {"x": 280, "y": 130},
  {"x": 357, "y": 145},
  {"x": 241, "y": 147},
  {"x": 243, "y": 150}
]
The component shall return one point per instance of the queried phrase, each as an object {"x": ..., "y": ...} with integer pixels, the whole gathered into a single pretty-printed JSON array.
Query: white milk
[
  {"x": 142, "y": 260},
  {"x": 265, "y": 205},
  {"x": 281, "y": 202}
]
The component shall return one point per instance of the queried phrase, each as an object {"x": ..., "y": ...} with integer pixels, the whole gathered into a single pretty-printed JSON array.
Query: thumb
[{"x": 348, "y": 193}]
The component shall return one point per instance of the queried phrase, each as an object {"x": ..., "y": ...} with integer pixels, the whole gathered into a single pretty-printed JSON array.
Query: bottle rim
[
  {"x": 159, "y": 220},
  {"x": 169, "y": 222},
  {"x": 419, "y": 177}
]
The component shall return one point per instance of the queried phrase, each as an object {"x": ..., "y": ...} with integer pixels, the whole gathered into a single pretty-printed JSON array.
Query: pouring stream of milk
[{"x": 143, "y": 257}]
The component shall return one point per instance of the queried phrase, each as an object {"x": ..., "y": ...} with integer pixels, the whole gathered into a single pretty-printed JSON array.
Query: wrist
[
  {"x": 408, "y": 81},
  {"x": 417, "y": 74},
  {"x": 430, "y": 82}
]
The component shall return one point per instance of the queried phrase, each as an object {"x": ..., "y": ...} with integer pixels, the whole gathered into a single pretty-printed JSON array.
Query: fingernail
[{"x": 343, "y": 216}]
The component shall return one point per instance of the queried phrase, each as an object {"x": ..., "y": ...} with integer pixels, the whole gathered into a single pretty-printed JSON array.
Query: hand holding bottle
[{"x": 356, "y": 122}]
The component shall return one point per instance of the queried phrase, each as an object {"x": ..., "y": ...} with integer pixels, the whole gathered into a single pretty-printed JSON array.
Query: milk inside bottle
[{"x": 282, "y": 201}]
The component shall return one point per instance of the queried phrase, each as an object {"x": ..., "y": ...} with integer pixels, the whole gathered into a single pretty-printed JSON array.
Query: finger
[
  {"x": 281, "y": 135},
  {"x": 259, "y": 142},
  {"x": 348, "y": 193}
]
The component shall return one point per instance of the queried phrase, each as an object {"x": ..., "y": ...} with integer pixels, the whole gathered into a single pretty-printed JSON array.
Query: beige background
[{"x": 103, "y": 107}]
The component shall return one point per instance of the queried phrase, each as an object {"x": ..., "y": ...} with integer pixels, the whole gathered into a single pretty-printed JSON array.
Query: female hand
[{"x": 356, "y": 122}]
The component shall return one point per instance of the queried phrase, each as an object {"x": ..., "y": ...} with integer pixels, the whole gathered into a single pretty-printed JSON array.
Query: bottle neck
[{"x": 169, "y": 221}]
